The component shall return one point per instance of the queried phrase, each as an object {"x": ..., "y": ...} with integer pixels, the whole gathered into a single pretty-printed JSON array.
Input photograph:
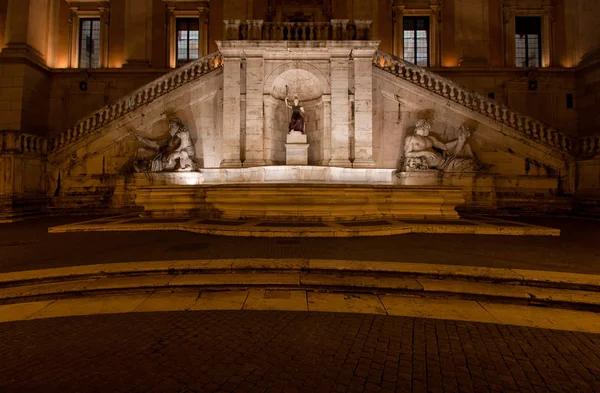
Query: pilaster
[
  {"x": 231, "y": 109},
  {"x": 138, "y": 33},
  {"x": 363, "y": 107},
  {"x": 254, "y": 112},
  {"x": 340, "y": 136}
]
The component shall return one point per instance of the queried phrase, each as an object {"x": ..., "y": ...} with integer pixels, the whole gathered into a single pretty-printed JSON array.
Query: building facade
[{"x": 63, "y": 59}]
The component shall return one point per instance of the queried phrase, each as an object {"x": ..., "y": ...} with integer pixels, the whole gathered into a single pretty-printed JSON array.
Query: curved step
[{"x": 554, "y": 289}]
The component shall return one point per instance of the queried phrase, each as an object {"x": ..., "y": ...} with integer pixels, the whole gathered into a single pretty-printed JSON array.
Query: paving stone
[{"x": 279, "y": 351}]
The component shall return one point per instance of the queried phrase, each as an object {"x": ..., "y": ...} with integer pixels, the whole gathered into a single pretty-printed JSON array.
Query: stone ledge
[
  {"x": 555, "y": 289},
  {"x": 371, "y": 225}
]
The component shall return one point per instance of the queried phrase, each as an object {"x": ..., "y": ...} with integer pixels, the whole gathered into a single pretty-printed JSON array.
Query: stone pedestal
[{"x": 296, "y": 149}]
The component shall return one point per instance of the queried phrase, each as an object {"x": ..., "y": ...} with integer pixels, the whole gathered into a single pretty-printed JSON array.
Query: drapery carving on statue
[
  {"x": 175, "y": 152},
  {"x": 422, "y": 151},
  {"x": 297, "y": 121}
]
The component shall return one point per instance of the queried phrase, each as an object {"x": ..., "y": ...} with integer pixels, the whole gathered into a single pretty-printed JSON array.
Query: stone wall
[
  {"x": 587, "y": 99},
  {"x": 547, "y": 103},
  {"x": 69, "y": 101},
  {"x": 24, "y": 94},
  {"x": 3, "y": 5}
]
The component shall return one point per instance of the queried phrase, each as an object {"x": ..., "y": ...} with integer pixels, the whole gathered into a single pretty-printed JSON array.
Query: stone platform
[
  {"x": 292, "y": 229},
  {"x": 300, "y": 202},
  {"x": 290, "y": 193}
]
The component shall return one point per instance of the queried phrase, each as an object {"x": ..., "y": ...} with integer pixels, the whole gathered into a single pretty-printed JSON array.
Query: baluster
[
  {"x": 527, "y": 126},
  {"x": 444, "y": 90},
  {"x": 481, "y": 107},
  {"x": 452, "y": 93},
  {"x": 422, "y": 79},
  {"x": 504, "y": 115},
  {"x": 519, "y": 123},
  {"x": 429, "y": 82}
]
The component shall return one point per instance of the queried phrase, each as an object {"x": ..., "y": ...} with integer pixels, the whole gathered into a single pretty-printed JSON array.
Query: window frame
[
  {"x": 80, "y": 42},
  {"x": 547, "y": 37},
  {"x": 527, "y": 35},
  {"x": 177, "y": 30},
  {"x": 77, "y": 15},
  {"x": 201, "y": 13},
  {"x": 433, "y": 12},
  {"x": 415, "y": 18}
]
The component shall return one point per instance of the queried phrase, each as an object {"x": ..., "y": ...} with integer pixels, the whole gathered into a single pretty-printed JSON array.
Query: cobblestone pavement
[
  {"x": 268, "y": 351},
  {"x": 28, "y": 245}
]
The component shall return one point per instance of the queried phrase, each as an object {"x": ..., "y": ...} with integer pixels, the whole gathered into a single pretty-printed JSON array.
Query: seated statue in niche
[
  {"x": 297, "y": 122},
  {"x": 423, "y": 151},
  {"x": 173, "y": 153}
]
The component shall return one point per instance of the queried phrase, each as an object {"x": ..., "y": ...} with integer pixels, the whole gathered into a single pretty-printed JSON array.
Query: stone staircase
[
  {"x": 528, "y": 127},
  {"x": 142, "y": 96}
]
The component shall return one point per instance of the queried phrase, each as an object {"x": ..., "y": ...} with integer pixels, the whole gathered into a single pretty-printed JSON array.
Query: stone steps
[{"x": 514, "y": 286}]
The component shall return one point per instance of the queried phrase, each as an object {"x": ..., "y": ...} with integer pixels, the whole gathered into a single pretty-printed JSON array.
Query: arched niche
[{"x": 310, "y": 85}]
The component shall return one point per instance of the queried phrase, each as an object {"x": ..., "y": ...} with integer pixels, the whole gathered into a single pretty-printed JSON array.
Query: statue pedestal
[{"x": 296, "y": 149}]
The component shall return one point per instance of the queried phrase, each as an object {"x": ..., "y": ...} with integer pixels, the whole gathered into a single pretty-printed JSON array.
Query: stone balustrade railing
[
  {"x": 530, "y": 127},
  {"x": 15, "y": 142},
  {"x": 590, "y": 146},
  {"x": 336, "y": 29},
  {"x": 139, "y": 97}
]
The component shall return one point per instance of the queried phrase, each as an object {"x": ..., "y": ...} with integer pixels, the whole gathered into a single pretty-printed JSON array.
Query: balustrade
[
  {"x": 12, "y": 142},
  {"x": 487, "y": 107},
  {"x": 15, "y": 142},
  {"x": 141, "y": 96},
  {"x": 336, "y": 29}
]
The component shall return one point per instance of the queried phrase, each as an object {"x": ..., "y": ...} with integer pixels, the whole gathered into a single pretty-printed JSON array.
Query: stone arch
[
  {"x": 310, "y": 84},
  {"x": 319, "y": 78}
]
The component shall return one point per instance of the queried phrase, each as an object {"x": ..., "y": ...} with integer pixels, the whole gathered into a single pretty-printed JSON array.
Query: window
[
  {"x": 528, "y": 41},
  {"x": 416, "y": 40},
  {"x": 89, "y": 43},
  {"x": 188, "y": 38}
]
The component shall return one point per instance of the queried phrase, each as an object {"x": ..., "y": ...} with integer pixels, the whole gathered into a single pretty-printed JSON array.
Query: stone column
[
  {"x": 25, "y": 31},
  {"x": 203, "y": 11},
  {"x": 398, "y": 32},
  {"x": 363, "y": 107},
  {"x": 340, "y": 142},
  {"x": 326, "y": 141},
  {"x": 508, "y": 15},
  {"x": 138, "y": 33},
  {"x": 231, "y": 110},
  {"x": 254, "y": 111},
  {"x": 104, "y": 35}
]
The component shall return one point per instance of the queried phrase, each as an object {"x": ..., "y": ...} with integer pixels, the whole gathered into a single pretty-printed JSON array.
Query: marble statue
[
  {"x": 422, "y": 151},
  {"x": 173, "y": 153},
  {"x": 297, "y": 122}
]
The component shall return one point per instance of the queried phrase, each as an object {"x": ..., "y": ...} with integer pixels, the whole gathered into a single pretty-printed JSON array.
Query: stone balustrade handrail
[
  {"x": 137, "y": 98},
  {"x": 336, "y": 29},
  {"x": 530, "y": 127},
  {"x": 589, "y": 146},
  {"x": 15, "y": 142}
]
